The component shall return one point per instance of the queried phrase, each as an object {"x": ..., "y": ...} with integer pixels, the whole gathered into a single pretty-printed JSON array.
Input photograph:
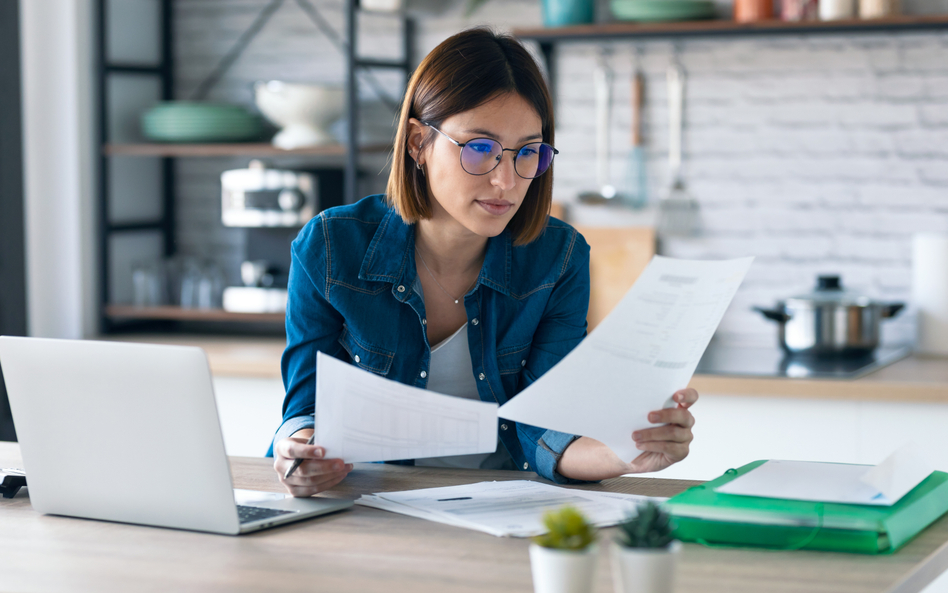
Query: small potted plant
[
  {"x": 562, "y": 560},
  {"x": 646, "y": 553}
]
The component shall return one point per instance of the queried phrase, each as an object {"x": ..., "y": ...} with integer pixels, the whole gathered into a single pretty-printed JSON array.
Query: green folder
[{"x": 712, "y": 518}]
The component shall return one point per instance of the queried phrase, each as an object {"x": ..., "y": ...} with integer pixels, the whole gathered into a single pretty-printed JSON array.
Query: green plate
[
  {"x": 184, "y": 121},
  {"x": 663, "y": 10}
]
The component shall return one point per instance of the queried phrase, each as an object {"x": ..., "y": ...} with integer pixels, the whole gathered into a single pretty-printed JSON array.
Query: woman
[{"x": 456, "y": 280}]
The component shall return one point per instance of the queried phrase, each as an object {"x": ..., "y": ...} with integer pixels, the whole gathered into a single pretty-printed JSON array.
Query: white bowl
[{"x": 303, "y": 111}]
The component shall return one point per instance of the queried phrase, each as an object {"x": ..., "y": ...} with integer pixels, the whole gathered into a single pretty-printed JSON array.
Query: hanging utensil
[
  {"x": 677, "y": 211},
  {"x": 635, "y": 194},
  {"x": 602, "y": 87}
]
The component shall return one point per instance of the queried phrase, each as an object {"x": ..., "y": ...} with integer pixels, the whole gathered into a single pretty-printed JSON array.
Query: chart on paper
[{"x": 363, "y": 417}]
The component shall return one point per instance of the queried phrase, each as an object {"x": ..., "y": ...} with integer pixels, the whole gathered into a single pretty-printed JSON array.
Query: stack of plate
[
  {"x": 183, "y": 121},
  {"x": 662, "y": 10}
]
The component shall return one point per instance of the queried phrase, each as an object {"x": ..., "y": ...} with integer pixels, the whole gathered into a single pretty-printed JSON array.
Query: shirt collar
[{"x": 391, "y": 256}]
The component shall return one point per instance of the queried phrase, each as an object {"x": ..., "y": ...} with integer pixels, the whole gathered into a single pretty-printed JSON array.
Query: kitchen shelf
[
  {"x": 127, "y": 312},
  {"x": 231, "y": 149},
  {"x": 719, "y": 27}
]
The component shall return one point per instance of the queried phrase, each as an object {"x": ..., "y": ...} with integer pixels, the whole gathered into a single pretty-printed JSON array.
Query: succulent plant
[
  {"x": 568, "y": 530},
  {"x": 651, "y": 527}
]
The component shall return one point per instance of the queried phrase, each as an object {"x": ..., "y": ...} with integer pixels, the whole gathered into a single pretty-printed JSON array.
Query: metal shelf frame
[
  {"x": 355, "y": 63},
  {"x": 164, "y": 71}
]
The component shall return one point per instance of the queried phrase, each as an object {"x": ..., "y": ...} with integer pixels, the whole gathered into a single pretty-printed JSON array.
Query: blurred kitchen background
[{"x": 156, "y": 207}]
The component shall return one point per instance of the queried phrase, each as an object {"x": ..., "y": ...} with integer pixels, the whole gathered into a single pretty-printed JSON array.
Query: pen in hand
[{"x": 298, "y": 460}]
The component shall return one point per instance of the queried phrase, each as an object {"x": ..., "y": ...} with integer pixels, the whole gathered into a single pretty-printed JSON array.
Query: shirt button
[
  {"x": 424, "y": 322},
  {"x": 423, "y": 374},
  {"x": 357, "y": 359},
  {"x": 503, "y": 427},
  {"x": 482, "y": 376},
  {"x": 526, "y": 465},
  {"x": 400, "y": 288},
  {"x": 523, "y": 362},
  {"x": 474, "y": 321}
]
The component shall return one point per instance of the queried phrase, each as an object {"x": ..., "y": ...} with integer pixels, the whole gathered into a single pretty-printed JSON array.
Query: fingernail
[
  {"x": 636, "y": 435},
  {"x": 319, "y": 452},
  {"x": 639, "y": 446},
  {"x": 653, "y": 417},
  {"x": 349, "y": 467}
]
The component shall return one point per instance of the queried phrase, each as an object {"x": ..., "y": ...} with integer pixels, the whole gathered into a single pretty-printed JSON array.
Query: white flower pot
[
  {"x": 645, "y": 570},
  {"x": 562, "y": 571}
]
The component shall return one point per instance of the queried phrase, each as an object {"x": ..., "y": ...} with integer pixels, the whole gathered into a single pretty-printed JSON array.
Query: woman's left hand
[{"x": 666, "y": 444}]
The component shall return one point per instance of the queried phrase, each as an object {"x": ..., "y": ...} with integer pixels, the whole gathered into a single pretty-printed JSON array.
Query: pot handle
[
  {"x": 892, "y": 309},
  {"x": 773, "y": 314}
]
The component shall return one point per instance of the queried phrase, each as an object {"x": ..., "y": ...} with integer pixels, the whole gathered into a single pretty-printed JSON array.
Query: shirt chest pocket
[
  {"x": 511, "y": 360},
  {"x": 366, "y": 356}
]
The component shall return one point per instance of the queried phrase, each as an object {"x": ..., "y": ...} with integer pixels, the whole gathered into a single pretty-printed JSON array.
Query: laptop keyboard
[{"x": 248, "y": 513}]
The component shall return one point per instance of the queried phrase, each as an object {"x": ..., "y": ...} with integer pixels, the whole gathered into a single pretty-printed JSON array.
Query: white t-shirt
[{"x": 451, "y": 373}]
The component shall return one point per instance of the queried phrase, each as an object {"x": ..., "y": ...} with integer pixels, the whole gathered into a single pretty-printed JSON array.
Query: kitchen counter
[
  {"x": 913, "y": 379},
  {"x": 228, "y": 356}
]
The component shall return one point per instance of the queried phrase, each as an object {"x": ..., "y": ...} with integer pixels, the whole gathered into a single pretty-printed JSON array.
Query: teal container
[{"x": 563, "y": 13}]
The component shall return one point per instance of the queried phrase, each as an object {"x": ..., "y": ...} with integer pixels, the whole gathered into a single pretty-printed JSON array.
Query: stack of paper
[{"x": 504, "y": 509}]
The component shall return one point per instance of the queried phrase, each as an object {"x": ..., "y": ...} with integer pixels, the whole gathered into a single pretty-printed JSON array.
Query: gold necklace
[{"x": 456, "y": 300}]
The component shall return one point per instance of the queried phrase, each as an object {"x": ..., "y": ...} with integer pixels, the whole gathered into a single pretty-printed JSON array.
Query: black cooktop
[{"x": 774, "y": 362}]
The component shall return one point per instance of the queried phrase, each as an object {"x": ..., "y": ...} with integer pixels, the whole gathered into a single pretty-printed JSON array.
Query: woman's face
[{"x": 479, "y": 204}]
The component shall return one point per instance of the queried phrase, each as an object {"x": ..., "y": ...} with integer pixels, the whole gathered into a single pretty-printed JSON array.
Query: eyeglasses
[{"x": 480, "y": 156}]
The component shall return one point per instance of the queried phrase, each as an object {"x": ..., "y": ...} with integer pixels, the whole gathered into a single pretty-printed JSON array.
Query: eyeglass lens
[{"x": 482, "y": 155}]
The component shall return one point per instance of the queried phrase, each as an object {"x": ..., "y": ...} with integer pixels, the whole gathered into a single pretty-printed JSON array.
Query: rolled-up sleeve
[
  {"x": 561, "y": 329},
  {"x": 312, "y": 325}
]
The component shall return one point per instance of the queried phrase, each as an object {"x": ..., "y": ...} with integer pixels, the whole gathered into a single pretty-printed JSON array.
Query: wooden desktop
[{"x": 366, "y": 549}]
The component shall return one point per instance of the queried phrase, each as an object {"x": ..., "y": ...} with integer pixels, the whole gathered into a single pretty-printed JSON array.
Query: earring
[{"x": 418, "y": 165}]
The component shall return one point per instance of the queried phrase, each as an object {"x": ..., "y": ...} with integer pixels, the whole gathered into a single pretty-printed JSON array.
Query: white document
[
  {"x": 833, "y": 482},
  {"x": 646, "y": 349},
  {"x": 364, "y": 417},
  {"x": 899, "y": 472},
  {"x": 505, "y": 509}
]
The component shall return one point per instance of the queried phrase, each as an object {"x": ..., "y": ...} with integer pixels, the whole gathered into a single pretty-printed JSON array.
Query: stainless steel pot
[{"x": 830, "y": 320}]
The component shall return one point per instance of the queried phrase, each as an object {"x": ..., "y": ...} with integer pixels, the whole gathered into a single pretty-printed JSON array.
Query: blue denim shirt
[{"x": 351, "y": 296}]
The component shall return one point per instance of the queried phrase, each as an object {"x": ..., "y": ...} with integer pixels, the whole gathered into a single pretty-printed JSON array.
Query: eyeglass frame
[{"x": 461, "y": 145}]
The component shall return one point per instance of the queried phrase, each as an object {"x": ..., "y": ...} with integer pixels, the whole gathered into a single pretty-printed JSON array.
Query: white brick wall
[{"x": 816, "y": 154}]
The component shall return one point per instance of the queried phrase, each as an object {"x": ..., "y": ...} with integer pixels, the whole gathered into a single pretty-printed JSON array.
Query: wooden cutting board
[{"x": 617, "y": 256}]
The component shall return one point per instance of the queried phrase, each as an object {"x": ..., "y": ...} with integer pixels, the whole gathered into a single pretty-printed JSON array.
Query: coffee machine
[{"x": 272, "y": 205}]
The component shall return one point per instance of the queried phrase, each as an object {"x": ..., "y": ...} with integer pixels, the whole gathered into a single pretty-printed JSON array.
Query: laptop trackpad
[{"x": 275, "y": 500}]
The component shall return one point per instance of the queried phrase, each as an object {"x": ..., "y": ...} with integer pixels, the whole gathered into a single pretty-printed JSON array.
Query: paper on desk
[
  {"x": 505, "y": 509},
  {"x": 900, "y": 472},
  {"x": 363, "y": 417},
  {"x": 834, "y": 482},
  {"x": 646, "y": 349}
]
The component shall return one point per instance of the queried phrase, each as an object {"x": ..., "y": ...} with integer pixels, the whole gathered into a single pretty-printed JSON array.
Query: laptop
[{"x": 130, "y": 433}]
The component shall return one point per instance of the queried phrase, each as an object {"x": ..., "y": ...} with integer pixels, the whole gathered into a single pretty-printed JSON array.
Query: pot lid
[{"x": 829, "y": 291}]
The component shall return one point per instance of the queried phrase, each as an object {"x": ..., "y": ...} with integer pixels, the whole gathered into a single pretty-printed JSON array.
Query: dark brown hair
[{"x": 463, "y": 72}]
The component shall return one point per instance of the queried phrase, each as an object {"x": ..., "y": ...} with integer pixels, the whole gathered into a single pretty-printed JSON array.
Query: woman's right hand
[{"x": 315, "y": 474}]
